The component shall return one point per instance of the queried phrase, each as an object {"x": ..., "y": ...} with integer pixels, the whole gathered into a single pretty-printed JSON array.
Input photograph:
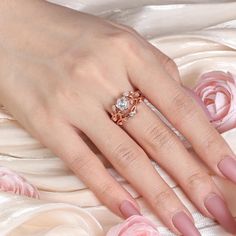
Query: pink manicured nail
[
  {"x": 218, "y": 208},
  {"x": 128, "y": 209},
  {"x": 228, "y": 168},
  {"x": 184, "y": 224}
]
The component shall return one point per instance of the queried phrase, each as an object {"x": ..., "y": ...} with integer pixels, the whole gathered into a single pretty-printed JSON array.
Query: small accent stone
[
  {"x": 137, "y": 94},
  {"x": 126, "y": 94},
  {"x": 132, "y": 113},
  {"x": 113, "y": 108},
  {"x": 122, "y": 103}
]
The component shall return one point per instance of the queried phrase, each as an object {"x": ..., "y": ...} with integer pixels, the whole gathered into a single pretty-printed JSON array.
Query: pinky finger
[{"x": 66, "y": 143}]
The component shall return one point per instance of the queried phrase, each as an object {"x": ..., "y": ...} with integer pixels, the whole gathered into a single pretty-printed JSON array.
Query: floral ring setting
[{"x": 126, "y": 106}]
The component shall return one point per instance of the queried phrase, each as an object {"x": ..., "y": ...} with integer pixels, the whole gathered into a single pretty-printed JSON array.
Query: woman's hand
[{"x": 61, "y": 71}]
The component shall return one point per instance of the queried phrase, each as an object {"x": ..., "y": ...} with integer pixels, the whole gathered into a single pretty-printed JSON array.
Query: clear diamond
[{"x": 122, "y": 103}]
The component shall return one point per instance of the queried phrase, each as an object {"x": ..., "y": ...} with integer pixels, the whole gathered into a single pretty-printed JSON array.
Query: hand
[{"x": 60, "y": 77}]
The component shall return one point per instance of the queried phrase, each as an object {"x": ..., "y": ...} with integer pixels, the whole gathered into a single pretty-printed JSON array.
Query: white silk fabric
[{"x": 200, "y": 36}]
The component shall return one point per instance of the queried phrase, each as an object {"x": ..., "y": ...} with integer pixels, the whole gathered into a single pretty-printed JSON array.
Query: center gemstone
[{"x": 122, "y": 103}]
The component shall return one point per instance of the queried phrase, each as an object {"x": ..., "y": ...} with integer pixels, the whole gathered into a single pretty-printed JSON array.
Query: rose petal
[
  {"x": 134, "y": 226},
  {"x": 217, "y": 91},
  {"x": 14, "y": 183}
]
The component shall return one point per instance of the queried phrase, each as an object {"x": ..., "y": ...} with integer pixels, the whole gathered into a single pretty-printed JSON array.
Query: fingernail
[
  {"x": 128, "y": 209},
  {"x": 184, "y": 224},
  {"x": 218, "y": 208},
  {"x": 228, "y": 168}
]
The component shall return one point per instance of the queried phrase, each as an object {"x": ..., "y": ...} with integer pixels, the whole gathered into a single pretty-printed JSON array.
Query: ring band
[{"x": 126, "y": 106}]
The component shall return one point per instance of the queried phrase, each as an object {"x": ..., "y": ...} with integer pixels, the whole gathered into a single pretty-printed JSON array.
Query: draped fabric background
[{"x": 200, "y": 36}]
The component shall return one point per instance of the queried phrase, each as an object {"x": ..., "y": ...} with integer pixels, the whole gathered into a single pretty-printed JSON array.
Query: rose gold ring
[{"x": 126, "y": 106}]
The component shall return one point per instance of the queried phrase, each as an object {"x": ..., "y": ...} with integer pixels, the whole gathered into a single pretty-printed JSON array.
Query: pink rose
[
  {"x": 217, "y": 91},
  {"x": 13, "y": 183},
  {"x": 134, "y": 226}
]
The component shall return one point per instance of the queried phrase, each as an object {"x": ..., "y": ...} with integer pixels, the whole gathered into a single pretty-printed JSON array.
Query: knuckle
[
  {"x": 162, "y": 198},
  {"x": 126, "y": 40},
  {"x": 125, "y": 156},
  {"x": 197, "y": 180},
  {"x": 123, "y": 36},
  {"x": 169, "y": 64},
  {"x": 212, "y": 145},
  {"x": 80, "y": 68},
  {"x": 67, "y": 95},
  {"x": 159, "y": 136},
  {"x": 106, "y": 189},
  {"x": 183, "y": 106},
  {"x": 80, "y": 163},
  {"x": 209, "y": 141},
  {"x": 171, "y": 68}
]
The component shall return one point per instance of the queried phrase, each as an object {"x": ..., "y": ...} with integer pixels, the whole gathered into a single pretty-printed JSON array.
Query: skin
[{"x": 60, "y": 73}]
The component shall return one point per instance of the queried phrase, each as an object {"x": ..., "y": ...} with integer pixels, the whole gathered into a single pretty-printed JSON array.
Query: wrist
[
  {"x": 14, "y": 15},
  {"x": 28, "y": 27},
  {"x": 23, "y": 23},
  {"x": 13, "y": 25}
]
